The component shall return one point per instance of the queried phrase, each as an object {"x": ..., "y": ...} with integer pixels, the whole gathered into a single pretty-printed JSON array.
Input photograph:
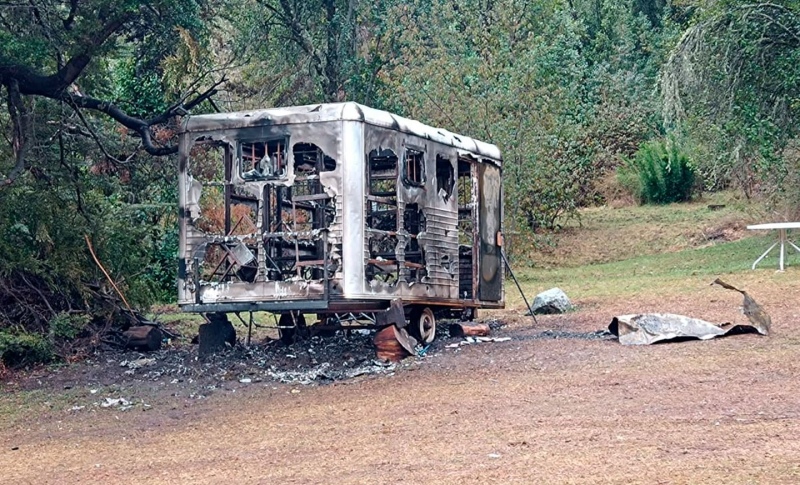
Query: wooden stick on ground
[
  {"x": 108, "y": 277},
  {"x": 469, "y": 330}
]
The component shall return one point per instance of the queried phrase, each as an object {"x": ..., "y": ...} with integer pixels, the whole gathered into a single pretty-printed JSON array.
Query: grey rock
[{"x": 551, "y": 301}]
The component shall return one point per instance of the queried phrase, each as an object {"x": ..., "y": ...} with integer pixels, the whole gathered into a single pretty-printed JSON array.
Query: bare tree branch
[
  {"x": 20, "y": 120},
  {"x": 73, "y": 10},
  {"x": 96, "y": 139}
]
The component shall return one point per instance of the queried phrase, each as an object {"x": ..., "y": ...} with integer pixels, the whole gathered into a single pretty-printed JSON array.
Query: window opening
[
  {"x": 293, "y": 216},
  {"x": 465, "y": 195},
  {"x": 444, "y": 177},
  {"x": 223, "y": 212},
  {"x": 382, "y": 173},
  {"x": 382, "y": 217},
  {"x": 382, "y": 265},
  {"x": 310, "y": 160},
  {"x": 414, "y": 223},
  {"x": 264, "y": 160},
  {"x": 414, "y": 170}
]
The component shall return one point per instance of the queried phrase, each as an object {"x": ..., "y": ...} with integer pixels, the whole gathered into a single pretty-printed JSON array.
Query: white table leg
[
  {"x": 795, "y": 247},
  {"x": 764, "y": 255},
  {"x": 783, "y": 248}
]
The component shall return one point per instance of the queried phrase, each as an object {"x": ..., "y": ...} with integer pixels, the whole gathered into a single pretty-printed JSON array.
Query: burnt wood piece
[
  {"x": 394, "y": 344},
  {"x": 217, "y": 335},
  {"x": 469, "y": 330},
  {"x": 145, "y": 337}
]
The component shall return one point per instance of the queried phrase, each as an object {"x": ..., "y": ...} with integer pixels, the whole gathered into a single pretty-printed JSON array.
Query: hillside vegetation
[{"x": 590, "y": 101}]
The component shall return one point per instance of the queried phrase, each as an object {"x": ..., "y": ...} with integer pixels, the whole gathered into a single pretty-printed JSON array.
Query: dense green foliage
[
  {"x": 20, "y": 348},
  {"x": 568, "y": 89},
  {"x": 659, "y": 174},
  {"x": 730, "y": 89}
]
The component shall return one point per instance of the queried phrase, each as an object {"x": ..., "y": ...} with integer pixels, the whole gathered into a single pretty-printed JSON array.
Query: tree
[
  {"x": 313, "y": 51},
  {"x": 565, "y": 89},
  {"x": 730, "y": 87},
  {"x": 91, "y": 99},
  {"x": 63, "y": 51}
]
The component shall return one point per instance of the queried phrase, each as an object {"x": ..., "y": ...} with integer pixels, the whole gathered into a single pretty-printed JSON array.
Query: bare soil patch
[{"x": 558, "y": 403}]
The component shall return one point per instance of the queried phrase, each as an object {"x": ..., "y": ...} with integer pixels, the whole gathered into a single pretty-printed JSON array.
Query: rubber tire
[{"x": 423, "y": 325}]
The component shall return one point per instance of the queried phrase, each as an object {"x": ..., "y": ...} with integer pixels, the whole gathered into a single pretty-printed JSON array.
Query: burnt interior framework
[{"x": 263, "y": 226}]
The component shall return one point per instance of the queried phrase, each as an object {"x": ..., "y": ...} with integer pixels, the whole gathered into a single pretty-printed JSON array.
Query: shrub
[
  {"x": 67, "y": 326},
  {"x": 659, "y": 174},
  {"x": 21, "y": 349}
]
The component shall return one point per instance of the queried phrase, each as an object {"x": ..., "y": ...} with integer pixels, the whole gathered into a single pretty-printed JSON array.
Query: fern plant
[{"x": 660, "y": 173}]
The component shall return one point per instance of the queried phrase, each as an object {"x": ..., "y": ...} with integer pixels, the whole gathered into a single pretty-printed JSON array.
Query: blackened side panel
[{"x": 490, "y": 281}]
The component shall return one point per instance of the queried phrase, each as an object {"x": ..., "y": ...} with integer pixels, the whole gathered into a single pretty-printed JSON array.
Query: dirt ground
[{"x": 558, "y": 403}]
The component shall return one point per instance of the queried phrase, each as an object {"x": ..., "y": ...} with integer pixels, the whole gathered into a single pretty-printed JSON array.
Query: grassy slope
[
  {"x": 606, "y": 234},
  {"x": 637, "y": 251}
]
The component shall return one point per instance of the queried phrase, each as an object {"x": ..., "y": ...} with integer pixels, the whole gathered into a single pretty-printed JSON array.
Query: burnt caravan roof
[{"x": 338, "y": 112}]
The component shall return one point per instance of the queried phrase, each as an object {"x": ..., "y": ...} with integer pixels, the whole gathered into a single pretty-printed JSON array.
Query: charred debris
[{"x": 337, "y": 216}]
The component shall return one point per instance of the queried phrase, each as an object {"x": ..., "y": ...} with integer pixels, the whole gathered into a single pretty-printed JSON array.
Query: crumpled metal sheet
[
  {"x": 754, "y": 312},
  {"x": 649, "y": 328}
]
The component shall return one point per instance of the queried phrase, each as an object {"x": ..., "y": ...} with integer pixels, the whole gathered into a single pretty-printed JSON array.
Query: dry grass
[
  {"x": 608, "y": 234},
  {"x": 526, "y": 411}
]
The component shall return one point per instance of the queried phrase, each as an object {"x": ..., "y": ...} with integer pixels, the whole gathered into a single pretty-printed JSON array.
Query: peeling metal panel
[
  {"x": 353, "y": 207},
  {"x": 649, "y": 328},
  {"x": 316, "y": 113}
]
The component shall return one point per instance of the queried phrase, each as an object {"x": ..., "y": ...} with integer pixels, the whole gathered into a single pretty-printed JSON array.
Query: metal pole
[
  {"x": 250, "y": 329},
  {"x": 508, "y": 265}
]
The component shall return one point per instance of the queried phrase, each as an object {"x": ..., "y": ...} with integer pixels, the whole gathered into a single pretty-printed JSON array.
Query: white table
[{"x": 782, "y": 227}]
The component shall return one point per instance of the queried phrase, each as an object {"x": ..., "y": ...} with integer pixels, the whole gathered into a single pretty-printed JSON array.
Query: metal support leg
[
  {"x": 764, "y": 255},
  {"x": 524, "y": 298},
  {"x": 783, "y": 247}
]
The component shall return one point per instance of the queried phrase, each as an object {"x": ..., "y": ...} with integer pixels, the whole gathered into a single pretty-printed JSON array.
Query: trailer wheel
[
  {"x": 423, "y": 325},
  {"x": 290, "y": 326}
]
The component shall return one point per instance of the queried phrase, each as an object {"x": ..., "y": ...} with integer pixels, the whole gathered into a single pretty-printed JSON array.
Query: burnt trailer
[{"x": 340, "y": 212}]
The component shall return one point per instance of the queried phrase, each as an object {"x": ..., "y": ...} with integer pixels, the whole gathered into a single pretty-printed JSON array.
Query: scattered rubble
[
  {"x": 325, "y": 372},
  {"x": 183, "y": 372},
  {"x": 178, "y": 369},
  {"x": 477, "y": 340},
  {"x": 121, "y": 403},
  {"x": 558, "y": 335},
  {"x": 138, "y": 363}
]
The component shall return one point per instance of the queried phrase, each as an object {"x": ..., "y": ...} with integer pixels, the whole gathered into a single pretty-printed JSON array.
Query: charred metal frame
[{"x": 333, "y": 209}]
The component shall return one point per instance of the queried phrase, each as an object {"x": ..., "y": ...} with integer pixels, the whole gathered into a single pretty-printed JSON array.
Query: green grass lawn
[
  {"x": 672, "y": 271},
  {"x": 636, "y": 250},
  {"x": 607, "y": 234}
]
